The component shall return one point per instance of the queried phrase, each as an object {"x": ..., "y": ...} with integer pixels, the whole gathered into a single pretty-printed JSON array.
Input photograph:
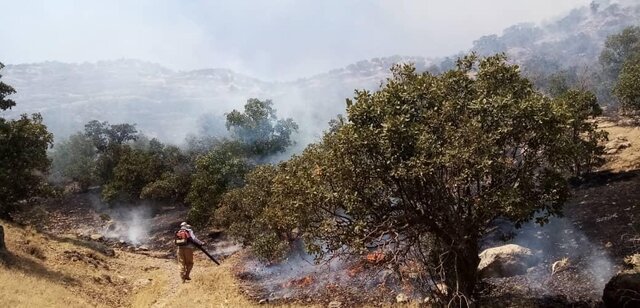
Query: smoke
[
  {"x": 302, "y": 276},
  {"x": 558, "y": 239},
  {"x": 127, "y": 223},
  {"x": 169, "y": 104}
]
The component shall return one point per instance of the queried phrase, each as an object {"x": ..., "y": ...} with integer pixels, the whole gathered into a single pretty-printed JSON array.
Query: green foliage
[
  {"x": 108, "y": 141},
  {"x": 265, "y": 213},
  {"x": 259, "y": 130},
  {"x": 75, "y": 159},
  {"x": 242, "y": 213},
  {"x": 170, "y": 186},
  {"x": 149, "y": 170},
  {"x": 221, "y": 169},
  {"x": 174, "y": 183},
  {"x": 256, "y": 134},
  {"x": 618, "y": 48},
  {"x": 104, "y": 135},
  {"x": 558, "y": 84},
  {"x": 628, "y": 87},
  {"x": 582, "y": 138},
  {"x": 23, "y": 156},
  {"x": 200, "y": 145},
  {"x": 5, "y": 90},
  {"x": 421, "y": 167},
  {"x": 130, "y": 166},
  {"x": 135, "y": 169}
]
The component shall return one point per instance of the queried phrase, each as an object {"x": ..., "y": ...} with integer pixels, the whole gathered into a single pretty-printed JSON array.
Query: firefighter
[{"x": 186, "y": 241}]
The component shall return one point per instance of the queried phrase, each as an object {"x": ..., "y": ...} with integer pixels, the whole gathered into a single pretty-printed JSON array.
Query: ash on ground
[{"x": 349, "y": 280}]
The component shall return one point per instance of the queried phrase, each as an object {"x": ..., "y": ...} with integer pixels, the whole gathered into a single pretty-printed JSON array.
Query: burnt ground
[
  {"x": 607, "y": 209},
  {"x": 351, "y": 281},
  {"x": 599, "y": 229}
]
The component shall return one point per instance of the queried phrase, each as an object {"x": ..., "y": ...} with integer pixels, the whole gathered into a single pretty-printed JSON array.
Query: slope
[{"x": 41, "y": 270}]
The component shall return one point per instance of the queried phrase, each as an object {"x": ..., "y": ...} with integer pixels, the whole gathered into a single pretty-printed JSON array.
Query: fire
[
  {"x": 300, "y": 283},
  {"x": 375, "y": 257}
]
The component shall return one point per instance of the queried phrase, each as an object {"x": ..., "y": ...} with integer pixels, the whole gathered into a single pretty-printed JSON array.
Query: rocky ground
[{"x": 600, "y": 228}]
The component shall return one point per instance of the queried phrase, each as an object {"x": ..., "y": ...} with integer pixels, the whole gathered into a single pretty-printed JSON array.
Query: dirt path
[{"x": 211, "y": 285}]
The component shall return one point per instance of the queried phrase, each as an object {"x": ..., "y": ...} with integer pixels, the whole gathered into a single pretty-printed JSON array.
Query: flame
[
  {"x": 300, "y": 283},
  {"x": 375, "y": 257}
]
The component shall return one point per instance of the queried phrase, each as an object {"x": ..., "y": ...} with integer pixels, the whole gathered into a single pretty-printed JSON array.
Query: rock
[
  {"x": 560, "y": 265},
  {"x": 402, "y": 298},
  {"x": 72, "y": 188},
  {"x": 628, "y": 122},
  {"x": 96, "y": 237},
  {"x": 334, "y": 304},
  {"x": 623, "y": 290},
  {"x": 143, "y": 248},
  {"x": 263, "y": 301},
  {"x": 111, "y": 225},
  {"x": 633, "y": 261},
  {"x": 506, "y": 261},
  {"x": 613, "y": 146},
  {"x": 610, "y": 151}
]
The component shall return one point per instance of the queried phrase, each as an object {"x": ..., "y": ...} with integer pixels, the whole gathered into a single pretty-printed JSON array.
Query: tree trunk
[
  {"x": 461, "y": 269},
  {"x": 2, "y": 246}
]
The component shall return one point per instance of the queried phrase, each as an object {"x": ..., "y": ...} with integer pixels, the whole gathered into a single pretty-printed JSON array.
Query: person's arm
[{"x": 194, "y": 238}]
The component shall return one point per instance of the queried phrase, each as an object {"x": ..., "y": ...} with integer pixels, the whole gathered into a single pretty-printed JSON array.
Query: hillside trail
[
  {"x": 211, "y": 285},
  {"x": 161, "y": 286},
  {"x": 41, "y": 270}
]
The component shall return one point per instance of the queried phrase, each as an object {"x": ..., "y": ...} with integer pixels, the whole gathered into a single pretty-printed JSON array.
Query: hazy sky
[{"x": 272, "y": 40}]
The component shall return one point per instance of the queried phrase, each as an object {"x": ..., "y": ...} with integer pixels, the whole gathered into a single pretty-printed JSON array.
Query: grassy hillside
[{"x": 50, "y": 271}]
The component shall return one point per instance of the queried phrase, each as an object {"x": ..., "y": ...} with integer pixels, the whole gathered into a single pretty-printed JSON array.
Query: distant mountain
[
  {"x": 171, "y": 104},
  {"x": 571, "y": 43}
]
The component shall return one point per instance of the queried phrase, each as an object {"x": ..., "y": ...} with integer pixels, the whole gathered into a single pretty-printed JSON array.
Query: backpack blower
[
  {"x": 206, "y": 253},
  {"x": 183, "y": 238}
]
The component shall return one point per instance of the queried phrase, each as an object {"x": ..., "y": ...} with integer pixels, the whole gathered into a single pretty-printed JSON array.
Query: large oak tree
[{"x": 420, "y": 168}]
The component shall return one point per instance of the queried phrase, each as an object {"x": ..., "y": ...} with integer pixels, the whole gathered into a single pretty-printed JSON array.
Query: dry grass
[
  {"x": 25, "y": 279},
  {"x": 212, "y": 286},
  {"x": 18, "y": 289},
  {"x": 626, "y": 159},
  {"x": 62, "y": 271}
]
